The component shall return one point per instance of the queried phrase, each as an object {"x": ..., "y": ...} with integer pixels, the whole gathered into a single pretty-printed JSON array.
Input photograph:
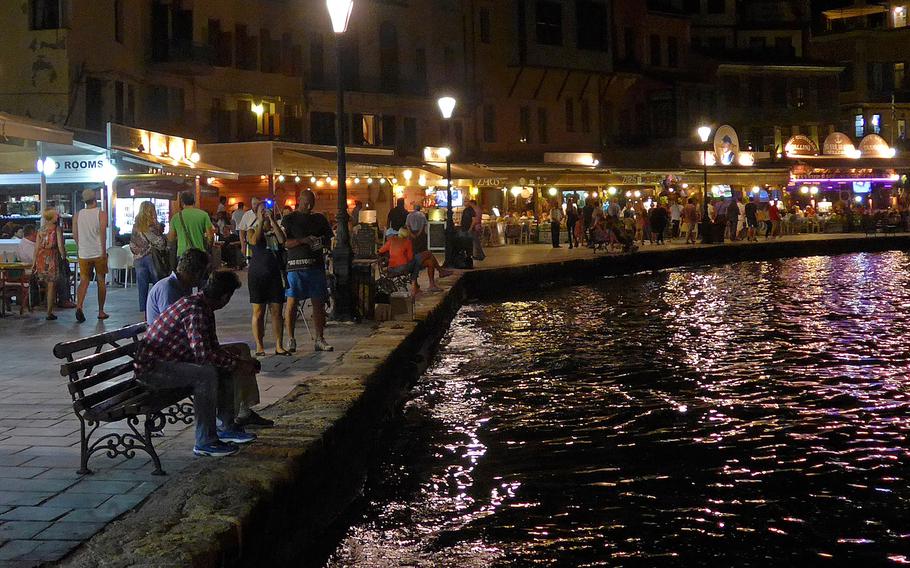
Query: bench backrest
[{"x": 100, "y": 367}]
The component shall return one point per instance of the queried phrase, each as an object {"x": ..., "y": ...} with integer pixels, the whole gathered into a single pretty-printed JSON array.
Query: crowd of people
[{"x": 633, "y": 224}]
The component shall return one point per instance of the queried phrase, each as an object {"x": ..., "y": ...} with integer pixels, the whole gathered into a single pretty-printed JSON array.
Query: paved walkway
[{"x": 46, "y": 509}]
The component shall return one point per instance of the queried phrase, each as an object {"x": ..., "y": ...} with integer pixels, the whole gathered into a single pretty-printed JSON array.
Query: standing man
[
  {"x": 308, "y": 234},
  {"x": 571, "y": 220},
  {"x": 477, "y": 230},
  {"x": 243, "y": 227},
  {"x": 397, "y": 216},
  {"x": 191, "y": 226},
  {"x": 675, "y": 219},
  {"x": 222, "y": 205},
  {"x": 90, "y": 234},
  {"x": 236, "y": 217},
  {"x": 416, "y": 223},
  {"x": 556, "y": 216},
  {"x": 587, "y": 216},
  {"x": 733, "y": 218}
]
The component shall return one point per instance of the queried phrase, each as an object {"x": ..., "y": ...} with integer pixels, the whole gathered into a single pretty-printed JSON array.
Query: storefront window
[{"x": 876, "y": 124}]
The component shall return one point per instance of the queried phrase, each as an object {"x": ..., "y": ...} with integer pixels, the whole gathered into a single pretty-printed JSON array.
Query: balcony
[{"x": 183, "y": 57}]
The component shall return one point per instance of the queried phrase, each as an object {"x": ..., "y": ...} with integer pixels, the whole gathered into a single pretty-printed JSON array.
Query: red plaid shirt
[{"x": 184, "y": 332}]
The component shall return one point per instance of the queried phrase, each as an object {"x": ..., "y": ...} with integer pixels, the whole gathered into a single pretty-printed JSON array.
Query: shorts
[
  {"x": 309, "y": 283},
  {"x": 88, "y": 267}
]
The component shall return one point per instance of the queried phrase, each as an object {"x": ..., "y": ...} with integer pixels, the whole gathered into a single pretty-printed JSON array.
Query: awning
[
  {"x": 12, "y": 126},
  {"x": 353, "y": 160},
  {"x": 472, "y": 172},
  {"x": 176, "y": 167},
  {"x": 157, "y": 186}
]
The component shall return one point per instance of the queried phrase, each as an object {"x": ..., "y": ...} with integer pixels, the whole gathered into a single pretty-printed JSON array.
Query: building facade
[{"x": 870, "y": 42}]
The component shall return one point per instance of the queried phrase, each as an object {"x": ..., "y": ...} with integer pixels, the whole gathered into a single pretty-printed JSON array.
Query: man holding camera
[{"x": 308, "y": 235}]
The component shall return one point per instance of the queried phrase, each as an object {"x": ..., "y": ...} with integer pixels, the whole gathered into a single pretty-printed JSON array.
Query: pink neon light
[{"x": 811, "y": 181}]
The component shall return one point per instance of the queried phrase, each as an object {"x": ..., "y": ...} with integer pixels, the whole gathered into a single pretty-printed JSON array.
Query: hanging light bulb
[
  {"x": 328, "y": 179},
  {"x": 312, "y": 179},
  {"x": 356, "y": 180},
  {"x": 369, "y": 180}
]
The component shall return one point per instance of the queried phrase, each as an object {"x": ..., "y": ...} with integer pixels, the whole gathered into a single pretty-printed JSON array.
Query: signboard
[
  {"x": 88, "y": 166},
  {"x": 436, "y": 155},
  {"x": 492, "y": 182},
  {"x": 726, "y": 145},
  {"x": 838, "y": 144},
  {"x": 800, "y": 145},
  {"x": 874, "y": 146}
]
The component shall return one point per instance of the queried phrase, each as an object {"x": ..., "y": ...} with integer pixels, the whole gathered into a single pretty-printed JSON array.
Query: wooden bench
[{"x": 112, "y": 394}]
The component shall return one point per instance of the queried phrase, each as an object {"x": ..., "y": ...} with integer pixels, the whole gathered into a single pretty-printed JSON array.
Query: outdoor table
[{"x": 5, "y": 268}]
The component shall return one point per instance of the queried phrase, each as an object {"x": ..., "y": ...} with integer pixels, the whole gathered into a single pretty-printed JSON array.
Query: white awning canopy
[{"x": 12, "y": 126}]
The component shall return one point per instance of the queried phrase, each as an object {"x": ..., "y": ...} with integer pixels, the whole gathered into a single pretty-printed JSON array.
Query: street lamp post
[
  {"x": 704, "y": 133},
  {"x": 342, "y": 254},
  {"x": 447, "y": 107}
]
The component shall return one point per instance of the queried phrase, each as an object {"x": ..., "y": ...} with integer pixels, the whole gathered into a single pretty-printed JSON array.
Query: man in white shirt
[
  {"x": 556, "y": 216},
  {"x": 237, "y": 216},
  {"x": 675, "y": 217},
  {"x": 246, "y": 223},
  {"x": 26, "y": 248},
  {"x": 90, "y": 234}
]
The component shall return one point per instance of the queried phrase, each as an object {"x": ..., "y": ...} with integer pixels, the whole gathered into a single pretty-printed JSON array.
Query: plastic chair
[{"x": 119, "y": 259}]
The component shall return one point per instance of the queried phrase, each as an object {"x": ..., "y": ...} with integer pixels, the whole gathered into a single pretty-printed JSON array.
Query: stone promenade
[{"x": 46, "y": 509}]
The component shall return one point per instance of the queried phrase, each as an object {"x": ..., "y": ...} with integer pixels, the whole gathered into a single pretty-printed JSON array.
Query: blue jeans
[
  {"x": 145, "y": 278},
  {"x": 213, "y": 394}
]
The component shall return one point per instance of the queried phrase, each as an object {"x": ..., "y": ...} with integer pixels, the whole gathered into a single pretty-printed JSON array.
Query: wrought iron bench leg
[
  {"x": 151, "y": 425},
  {"x": 83, "y": 449}
]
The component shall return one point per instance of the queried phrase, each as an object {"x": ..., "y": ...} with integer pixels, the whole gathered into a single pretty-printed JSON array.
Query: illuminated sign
[{"x": 800, "y": 145}]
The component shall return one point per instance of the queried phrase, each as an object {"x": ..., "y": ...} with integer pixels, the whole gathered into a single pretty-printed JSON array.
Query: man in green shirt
[{"x": 191, "y": 227}]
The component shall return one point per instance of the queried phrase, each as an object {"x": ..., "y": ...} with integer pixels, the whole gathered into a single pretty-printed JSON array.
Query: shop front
[{"x": 843, "y": 181}]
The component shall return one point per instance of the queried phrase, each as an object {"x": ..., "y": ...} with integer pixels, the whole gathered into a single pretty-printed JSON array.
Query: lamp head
[
  {"x": 447, "y": 106},
  {"x": 340, "y": 12},
  {"x": 704, "y": 132}
]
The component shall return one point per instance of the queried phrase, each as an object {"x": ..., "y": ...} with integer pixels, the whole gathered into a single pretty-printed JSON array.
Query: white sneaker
[{"x": 321, "y": 345}]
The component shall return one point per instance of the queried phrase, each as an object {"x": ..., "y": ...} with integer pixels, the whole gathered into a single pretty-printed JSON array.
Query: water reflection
[{"x": 750, "y": 414}]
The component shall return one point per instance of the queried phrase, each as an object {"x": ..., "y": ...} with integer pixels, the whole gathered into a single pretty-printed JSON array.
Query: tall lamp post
[
  {"x": 447, "y": 107},
  {"x": 704, "y": 133},
  {"x": 342, "y": 255}
]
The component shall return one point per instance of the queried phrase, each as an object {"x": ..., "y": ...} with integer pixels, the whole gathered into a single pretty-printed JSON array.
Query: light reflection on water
[{"x": 750, "y": 414}]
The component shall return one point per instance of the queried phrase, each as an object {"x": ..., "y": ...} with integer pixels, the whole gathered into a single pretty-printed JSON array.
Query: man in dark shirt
[
  {"x": 587, "y": 215},
  {"x": 398, "y": 216},
  {"x": 308, "y": 236}
]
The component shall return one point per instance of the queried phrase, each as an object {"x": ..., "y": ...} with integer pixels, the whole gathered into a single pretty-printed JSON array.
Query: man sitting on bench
[
  {"x": 191, "y": 272},
  {"x": 181, "y": 350}
]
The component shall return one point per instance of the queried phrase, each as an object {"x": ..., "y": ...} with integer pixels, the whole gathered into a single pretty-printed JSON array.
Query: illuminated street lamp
[
  {"x": 447, "y": 107},
  {"x": 704, "y": 133},
  {"x": 342, "y": 255}
]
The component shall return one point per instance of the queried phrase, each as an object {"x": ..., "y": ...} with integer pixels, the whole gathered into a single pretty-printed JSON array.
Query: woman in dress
[
  {"x": 265, "y": 280},
  {"x": 48, "y": 247},
  {"x": 147, "y": 235}
]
